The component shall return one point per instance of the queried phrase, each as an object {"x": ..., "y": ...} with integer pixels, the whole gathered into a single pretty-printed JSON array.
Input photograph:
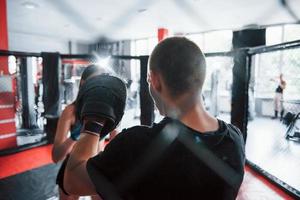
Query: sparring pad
[{"x": 102, "y": 96}]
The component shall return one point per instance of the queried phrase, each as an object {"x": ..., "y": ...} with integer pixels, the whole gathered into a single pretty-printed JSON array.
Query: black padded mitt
[{"x": 102, "y": 96}]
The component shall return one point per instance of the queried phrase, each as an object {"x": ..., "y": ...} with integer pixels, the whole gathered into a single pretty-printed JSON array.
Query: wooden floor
[{"x": 267, "y": 147}]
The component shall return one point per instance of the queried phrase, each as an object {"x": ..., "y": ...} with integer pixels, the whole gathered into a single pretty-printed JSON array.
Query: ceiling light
[
  {"x": 30, "y": 5},
  {"x": 141, "y": 10}
]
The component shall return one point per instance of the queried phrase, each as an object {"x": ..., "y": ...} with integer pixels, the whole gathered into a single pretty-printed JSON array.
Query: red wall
[
  {"x": 7, "y": 107},
  {"x": 3, "y": 36}
]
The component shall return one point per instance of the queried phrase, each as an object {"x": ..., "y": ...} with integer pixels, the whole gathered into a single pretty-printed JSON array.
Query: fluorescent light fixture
[
  {"x": 30, "y": 5},
  {"x": 141, "y": 10}
]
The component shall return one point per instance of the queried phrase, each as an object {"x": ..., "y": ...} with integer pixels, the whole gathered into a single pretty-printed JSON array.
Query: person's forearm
[
  {"x": 61, "y": 151},
  {"x": 101, "y": 146},
  {"x": 86, "y": 147},
  {"x": 76, "y": 179}
]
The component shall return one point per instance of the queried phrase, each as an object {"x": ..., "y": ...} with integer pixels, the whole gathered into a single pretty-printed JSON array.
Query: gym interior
[{"x": 249, "y": 47}]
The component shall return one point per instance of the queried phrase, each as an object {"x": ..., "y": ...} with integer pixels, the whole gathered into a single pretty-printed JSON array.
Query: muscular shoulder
[
  {"x": 145, "y": 131},
  {"x": 69, "y": 111},
  {"x": 137, "y": 136},
  {"x": 233, "y": 129},
  {"x": 70, "y": 108},
  {"x": 136, "y": 129},
  {"x": 234, "y": 142},
  {"x": 123, "y": 149},
  {"x": 133, "y": 134},
  {"x": 232, "y": 134}
]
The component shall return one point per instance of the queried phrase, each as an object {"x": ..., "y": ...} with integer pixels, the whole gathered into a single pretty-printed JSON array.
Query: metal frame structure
[{"x": 265, "y": 49}]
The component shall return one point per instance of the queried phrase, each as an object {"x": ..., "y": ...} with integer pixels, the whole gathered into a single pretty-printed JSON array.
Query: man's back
[{"x": 154, "y": 163}]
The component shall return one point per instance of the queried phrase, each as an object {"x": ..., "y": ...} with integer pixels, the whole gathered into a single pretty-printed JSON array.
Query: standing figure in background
[
  {"x": 278, "y": 99},
  {"x": 69, "y": 123}
]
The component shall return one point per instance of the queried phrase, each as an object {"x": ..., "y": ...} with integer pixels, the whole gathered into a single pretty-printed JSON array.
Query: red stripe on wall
[
  {"x": 6, "y": 143},
  {"x": 3, "y": 26},
  {"x": 74, "y": 62},
  {"x": 7, "y": 113},
  {"x": 7, "y": 97},
  {"x": 7, "y": 128},
  {"x": 3, "y": 36},
  {"x": 24, "y": 161}
]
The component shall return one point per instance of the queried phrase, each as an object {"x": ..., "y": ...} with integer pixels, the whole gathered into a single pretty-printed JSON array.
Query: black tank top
[{"x": 279, "y": 89}]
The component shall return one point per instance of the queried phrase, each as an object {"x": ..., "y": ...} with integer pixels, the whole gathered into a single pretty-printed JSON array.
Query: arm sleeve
[
  {"x": 104, "y": 186},
  {"x": 107, "y": 168}
]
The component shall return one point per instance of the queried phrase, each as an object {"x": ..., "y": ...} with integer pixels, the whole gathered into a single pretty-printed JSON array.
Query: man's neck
[{"x": 197, "y": 118}]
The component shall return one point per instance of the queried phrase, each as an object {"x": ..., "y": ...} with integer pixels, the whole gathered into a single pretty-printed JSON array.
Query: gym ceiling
[{"x": 87, "y": 20}]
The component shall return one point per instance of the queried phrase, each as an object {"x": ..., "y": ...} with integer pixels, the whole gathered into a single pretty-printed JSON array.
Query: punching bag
[{"x": 51, "y": 92}]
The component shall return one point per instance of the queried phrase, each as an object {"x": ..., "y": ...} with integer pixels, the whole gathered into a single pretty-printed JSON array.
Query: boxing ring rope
[
  {"x": 18, "y": 53},
  {"x": 276, "y": 47}
]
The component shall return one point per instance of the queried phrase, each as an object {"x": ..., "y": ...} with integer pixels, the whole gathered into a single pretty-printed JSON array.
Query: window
[
  {"x": 217, "y": 41},
  {"x": 280, "y": 34},
  {"x": 274, "y": 35},
  {"x": 291, "y": 32},
  {"x": 270, "y": 65},
  {"x": 198, "y": 39}
]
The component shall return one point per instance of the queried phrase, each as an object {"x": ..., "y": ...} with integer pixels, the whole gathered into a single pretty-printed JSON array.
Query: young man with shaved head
[{"x": 188, "y": 155}]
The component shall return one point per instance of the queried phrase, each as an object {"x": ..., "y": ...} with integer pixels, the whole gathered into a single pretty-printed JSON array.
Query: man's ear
[{"x": 155, "y": 80}]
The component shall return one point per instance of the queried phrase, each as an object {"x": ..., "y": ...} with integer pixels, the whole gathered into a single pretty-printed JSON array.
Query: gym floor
[{"x": 268, "y": 148}]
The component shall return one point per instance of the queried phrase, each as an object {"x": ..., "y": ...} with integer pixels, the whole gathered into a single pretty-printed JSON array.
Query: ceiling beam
[{"x": 75, "y": 17}]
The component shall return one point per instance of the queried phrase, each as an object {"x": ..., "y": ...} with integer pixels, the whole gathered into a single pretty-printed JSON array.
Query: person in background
[
  {"x": 278, "y": 98},
  {"x": 68, "y": 131}
]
